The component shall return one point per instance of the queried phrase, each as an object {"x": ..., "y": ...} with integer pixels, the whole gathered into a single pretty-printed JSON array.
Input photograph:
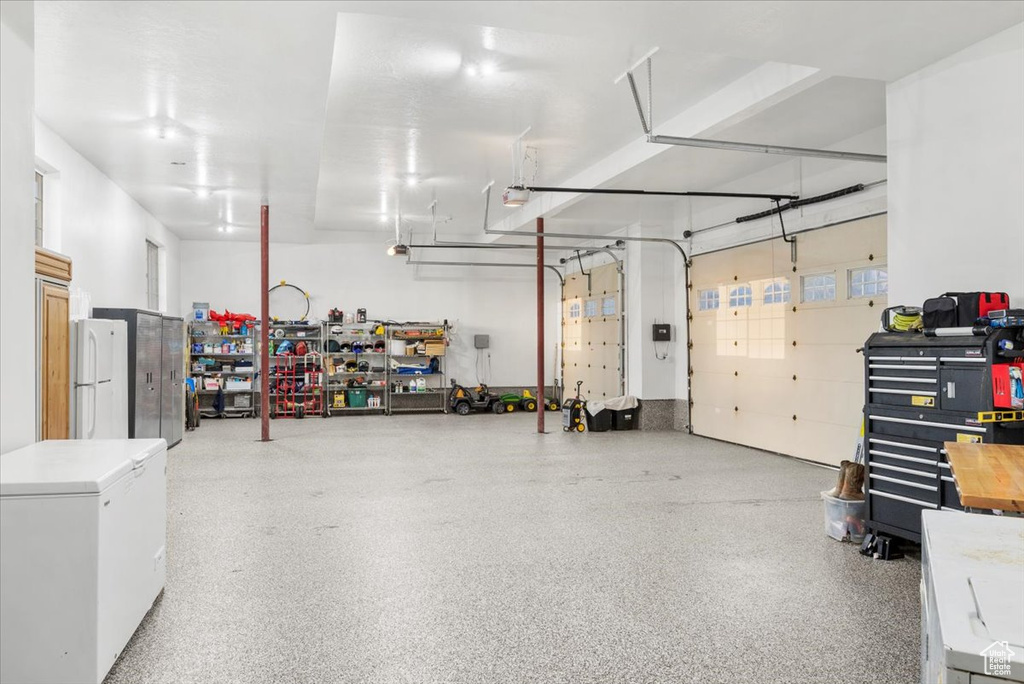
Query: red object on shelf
[
  {"x": 297, "y": 385},
  {"x": 1004, "y": 375}
]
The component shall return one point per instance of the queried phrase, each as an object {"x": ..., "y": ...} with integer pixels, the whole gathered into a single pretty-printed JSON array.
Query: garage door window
[
  {"x": 590, "y": 308},
  {"x": 708, "y": 300},
  {"x": 608, "y": 306},
  {"x": 741, "y": 296},
  {"x": 868, "y": 282},
  {"x": 777, "y": 292},
  {"x": 574, "y": 309},
  {"x": 820, "y": 287}
]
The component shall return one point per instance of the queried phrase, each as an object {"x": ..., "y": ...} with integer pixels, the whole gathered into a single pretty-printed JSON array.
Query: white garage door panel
[
  {"x": 743, "y": 352},
  {"x": 591, "y": 344}
]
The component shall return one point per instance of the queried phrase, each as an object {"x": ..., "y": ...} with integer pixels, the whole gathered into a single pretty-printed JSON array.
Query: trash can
[
  {"x": 625, "y": 412},
  {"x": 357, "y": 398},
  {"x": 599, "y": 418}
]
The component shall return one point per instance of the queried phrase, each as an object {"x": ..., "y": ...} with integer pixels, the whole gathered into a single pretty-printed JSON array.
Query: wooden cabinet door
[{"x": 54, "y": 362}]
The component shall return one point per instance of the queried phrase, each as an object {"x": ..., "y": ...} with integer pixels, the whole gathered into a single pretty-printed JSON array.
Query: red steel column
[
  {"x": 265, "y": 323},
  {"x": 541, "y": 396}
]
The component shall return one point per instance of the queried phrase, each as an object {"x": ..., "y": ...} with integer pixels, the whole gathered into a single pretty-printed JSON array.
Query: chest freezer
[{"x": 82, "y": 554}]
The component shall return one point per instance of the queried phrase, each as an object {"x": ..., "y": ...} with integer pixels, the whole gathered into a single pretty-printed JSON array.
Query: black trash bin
[
  {"x": 625, "y": 412},
  {"x": 600, "y": 421}
]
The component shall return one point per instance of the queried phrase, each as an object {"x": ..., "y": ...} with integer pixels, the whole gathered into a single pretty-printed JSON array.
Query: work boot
[
  {"x": 838, "y": 489},
  {"x": 853, "y": 486}
]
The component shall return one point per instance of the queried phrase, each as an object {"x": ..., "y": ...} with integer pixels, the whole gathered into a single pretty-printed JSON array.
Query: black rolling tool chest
[{"x": 921, "y": 392}]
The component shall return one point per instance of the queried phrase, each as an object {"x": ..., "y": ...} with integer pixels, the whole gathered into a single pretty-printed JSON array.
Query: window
[
  {"x": 590, "y": 308},
  {"x": 741, "y": 295},
  {"x": 867, "y": 282},
  {"x": 820, "y": 287},
  {"x": 708, "y": 300},
  {"x": 152, "y": 276},
  {"x": 777, "y": 292},
  {"x": 574, "y": 309},
  {"x": 608, "y": 306},
  {"x": 39, "y": 209}
]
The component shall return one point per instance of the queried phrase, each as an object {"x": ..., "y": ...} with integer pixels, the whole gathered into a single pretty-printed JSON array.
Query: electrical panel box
[
  {"x": 481, "y": 341},
  {"x": 662, "y": 332}
]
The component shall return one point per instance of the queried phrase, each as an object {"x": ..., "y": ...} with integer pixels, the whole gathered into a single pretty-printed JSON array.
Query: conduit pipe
[{"x": 553, "y": 269}]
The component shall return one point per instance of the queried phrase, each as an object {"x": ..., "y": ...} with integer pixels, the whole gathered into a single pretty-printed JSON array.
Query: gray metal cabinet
[
  {"x": 172, "y": 397},
  {"x": 145, "y": 371}
]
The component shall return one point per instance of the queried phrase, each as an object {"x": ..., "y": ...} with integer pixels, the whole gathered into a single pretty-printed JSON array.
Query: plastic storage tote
[
  {"x": 625, "y": 412},
  {"x": 357, "y": 398},
  {"x": 599, "y": 421},
  {"x": 844, "y": 519}
]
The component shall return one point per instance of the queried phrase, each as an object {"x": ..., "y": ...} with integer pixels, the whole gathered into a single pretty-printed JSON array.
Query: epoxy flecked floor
[{"x": 470, "y": 549}]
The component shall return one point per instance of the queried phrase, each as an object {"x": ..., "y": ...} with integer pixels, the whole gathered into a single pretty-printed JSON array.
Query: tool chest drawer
[
  {"x": 928, "y": 428},
  {"x": 897, "y": 513}
]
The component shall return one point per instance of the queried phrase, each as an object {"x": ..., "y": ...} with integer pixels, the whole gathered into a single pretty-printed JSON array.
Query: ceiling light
[
  {"x": 220, "y": 229},
  {"x": 383, "y": 218},
  {"x": 488, "y": 69},
  {"x": 411, "y": 180},
  {"x": 398, "y": 250},
  {"x": 515, "y": 197},
  {"x": 489, "y": 38},
  {"x": 229, "y": 228},
  {"x": 202, "y": 193},
  {"x": 471, "y": 70}
]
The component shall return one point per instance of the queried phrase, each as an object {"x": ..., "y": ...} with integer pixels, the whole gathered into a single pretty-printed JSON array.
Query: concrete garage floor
[{"x": 470, "y": 549}]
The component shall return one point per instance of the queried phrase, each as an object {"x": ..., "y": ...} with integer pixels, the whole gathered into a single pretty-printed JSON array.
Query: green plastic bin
[{"x": 357, "y": 398}]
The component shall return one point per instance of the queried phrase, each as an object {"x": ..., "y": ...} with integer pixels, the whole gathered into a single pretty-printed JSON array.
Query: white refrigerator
[
  {"x": 82, "y": 554},
  {"x": 99, "y": 362}
]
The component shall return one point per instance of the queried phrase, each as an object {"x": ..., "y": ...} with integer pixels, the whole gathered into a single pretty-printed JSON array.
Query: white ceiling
[{"x": 321, "y": 106}]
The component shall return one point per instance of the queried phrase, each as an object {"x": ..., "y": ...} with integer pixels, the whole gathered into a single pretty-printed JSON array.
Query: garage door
[
  {"x": 591, "y": 340},
  {"x": 773, "y": 361}
]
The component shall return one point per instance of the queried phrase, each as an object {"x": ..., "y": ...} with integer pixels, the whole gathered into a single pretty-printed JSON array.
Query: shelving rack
[
  {"x": 237, "y": 365},
  {"x": 353, "y": 353},
  {"x": 424, "y": 342},
  {"x": 289, "y": 368}
]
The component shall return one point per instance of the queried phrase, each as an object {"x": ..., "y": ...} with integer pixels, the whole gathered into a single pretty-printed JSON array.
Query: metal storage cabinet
[
  {"x": 172, "y": 397},
  {"x": 145, "y": 357},
  {"x": 921, "y": 392}
]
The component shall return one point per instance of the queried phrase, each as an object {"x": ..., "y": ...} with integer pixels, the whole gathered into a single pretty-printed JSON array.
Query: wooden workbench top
[{"x": 988, "y": 476}]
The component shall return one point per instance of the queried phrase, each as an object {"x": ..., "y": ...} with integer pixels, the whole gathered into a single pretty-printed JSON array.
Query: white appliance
[
  {"x": 82, "y": 543},
  {"x": 99, "y": 360},
  {"x": 972, "y": 598}
]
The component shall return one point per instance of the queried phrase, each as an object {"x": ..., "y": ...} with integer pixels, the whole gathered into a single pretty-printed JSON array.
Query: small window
[
  {"x": 608, "y": 306},
  {"x": 741, "y": 295},
  {"x": 868, "y": 282},
  {"x": 152, "y": 276},
  {"x": 777, "y": 293},
  {"x": 708, "y": 300},
  {"x": 574, "y": 309},
  {"x": 590, "y": 308},
  {"x": 39, "y": 209},
  {"x": 820, "y": 287}
]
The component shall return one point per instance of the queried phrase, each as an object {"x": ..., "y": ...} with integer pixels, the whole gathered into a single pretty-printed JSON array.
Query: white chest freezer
[
  {"x": 972, "y": 598},
  {"x": 82, "y": 543}
]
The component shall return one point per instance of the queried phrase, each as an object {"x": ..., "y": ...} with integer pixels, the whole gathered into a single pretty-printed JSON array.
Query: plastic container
[
  {"x": 625, "y": 411},
  {"x": 601, "y": 421},
  {"x": 357, "y": 398},
  {"x": 844, "y": 519}
]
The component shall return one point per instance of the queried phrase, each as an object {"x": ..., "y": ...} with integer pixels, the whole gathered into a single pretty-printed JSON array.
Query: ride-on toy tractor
[
  {"x": 464, "y": 401},
  {"x": 529, "y": 402}
]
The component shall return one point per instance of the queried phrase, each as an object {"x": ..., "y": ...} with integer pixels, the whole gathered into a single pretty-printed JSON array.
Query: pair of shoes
[{"x": 850, "y": 484}]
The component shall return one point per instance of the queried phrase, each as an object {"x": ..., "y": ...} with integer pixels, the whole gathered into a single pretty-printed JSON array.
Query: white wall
[
  {"x": 17, "y": 227},
  {"x": 97, "y": 224},
  {"x": 497, "y": 302},
  {"x": 956, "y": 173}
]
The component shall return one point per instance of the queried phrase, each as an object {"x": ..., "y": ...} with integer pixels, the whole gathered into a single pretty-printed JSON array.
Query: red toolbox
[{"x": 1007, "y": 387}]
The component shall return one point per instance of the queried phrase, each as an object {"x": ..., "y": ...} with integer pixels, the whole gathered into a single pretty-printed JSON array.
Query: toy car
[
  {"x": 464, "y": 401},
  {"x": 529, "y": 403}
]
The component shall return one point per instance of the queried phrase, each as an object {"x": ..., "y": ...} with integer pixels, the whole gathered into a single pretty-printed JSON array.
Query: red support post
[
  {"x": 542, "y": 398},
  {"x": 265, "y": 323}
]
